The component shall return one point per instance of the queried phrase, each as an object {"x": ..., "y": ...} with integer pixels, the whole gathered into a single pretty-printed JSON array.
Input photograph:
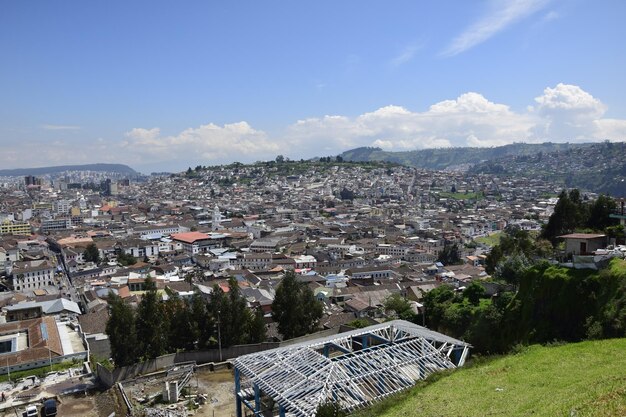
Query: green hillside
[
  {"x": 578, "y": 379},
  {"x": 442, "y": 158}
]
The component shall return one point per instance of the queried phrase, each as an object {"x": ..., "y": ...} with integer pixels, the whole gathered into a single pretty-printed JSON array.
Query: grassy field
[
  {"x": 578, "y": 379},
  {"x": 491, "y": 240}
]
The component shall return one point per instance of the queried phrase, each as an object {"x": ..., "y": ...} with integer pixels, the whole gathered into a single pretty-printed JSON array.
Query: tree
[
  {"x": 515, "y": 242},
  {"x": 616, "y": 232},
  {"x": 295, "y": 308},
  {"x": 599, "y": 212},
  {"x": 568, "y": 214},
  {"x": 236, "y": 321},
  {"x": 91, "y": 253},
  {"x": 203, "y": 323},
  {"x": 121, "y": 331},
  {"x": 359, "y": 323},
  {"x": 126, "y": 259},
  {"x": 511, "y": 268},
  {"x": 179, "y": 319},
  {"x": 400, "y": 306},
  {"x": 257, "y": 332},
  {"x": 329, "y": 408},
  {"x": 474, "y": 292},
  {"x": 449, "y": 255},
  {"x": 151, "y": 323},
  {"x": 346, "y": 194},
  {"x": 280, "y": 159}
]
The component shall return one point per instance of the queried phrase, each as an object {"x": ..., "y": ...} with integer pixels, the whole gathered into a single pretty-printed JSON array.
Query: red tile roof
[{"x": 190, "y": 237}]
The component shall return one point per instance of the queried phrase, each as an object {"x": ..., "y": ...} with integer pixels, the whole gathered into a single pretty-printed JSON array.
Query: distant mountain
[
  {"x": 454, "y": 158},
  {"x": 596, "y": 167},
  {"x": 119, "y": 168},
  {"x": 599, "y": 167}
]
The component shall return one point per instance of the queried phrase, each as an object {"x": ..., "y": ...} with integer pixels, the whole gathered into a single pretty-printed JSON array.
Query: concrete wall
[
  {"x": 99, "y": 347},
  {"x": 81, "y": 356},
  {"x": 109, "y": 378},
  {"x": 572, "y": 246}
]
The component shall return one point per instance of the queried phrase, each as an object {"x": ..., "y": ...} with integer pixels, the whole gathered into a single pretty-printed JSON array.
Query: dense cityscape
[
  {"x": 366, "y": 242},
  {"x": 312, "y": 209}
]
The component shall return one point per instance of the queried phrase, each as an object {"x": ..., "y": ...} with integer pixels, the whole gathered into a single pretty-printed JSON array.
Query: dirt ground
[
  {"x": 94, "y": 404},
  {"x": 220, "y": 388},
  {"x": 217, "y": 386}
]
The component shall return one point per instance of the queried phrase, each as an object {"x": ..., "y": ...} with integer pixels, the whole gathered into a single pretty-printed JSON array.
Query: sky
[{"x": 163, "y": 85}]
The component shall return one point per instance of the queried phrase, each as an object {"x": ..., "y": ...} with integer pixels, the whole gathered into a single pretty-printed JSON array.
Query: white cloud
[
  {"x": 560, "y": 113},
  {"x": 405, "y": 55},
  {"x": 502, "y": 15},
  {"x": 210, "y": 142},
  {"x": 146, "y": 135},
  {"x": 471, "y": 119},
  {"x": 563, "y": 113},
  {"x": 568, "y": 112},
  {"x": 611, "y": 129},
  {"x": 60, "y": 127}
]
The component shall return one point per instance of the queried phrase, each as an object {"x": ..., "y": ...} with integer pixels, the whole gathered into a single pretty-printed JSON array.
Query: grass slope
[
  {"x": 490, "y": 240},
  {"x": 578, "y": 379}
]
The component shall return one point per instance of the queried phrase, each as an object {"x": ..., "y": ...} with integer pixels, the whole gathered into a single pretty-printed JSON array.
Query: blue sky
[{"x": 164, "y": 85}]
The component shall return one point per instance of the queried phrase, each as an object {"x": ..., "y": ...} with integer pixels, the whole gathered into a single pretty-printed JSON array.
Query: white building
[{"x": 32, "y": 275}]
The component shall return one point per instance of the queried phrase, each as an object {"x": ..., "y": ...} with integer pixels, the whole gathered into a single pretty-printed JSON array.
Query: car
[
  {"x": 49, "y": 408},
  {"x": 31, "y": 411}
]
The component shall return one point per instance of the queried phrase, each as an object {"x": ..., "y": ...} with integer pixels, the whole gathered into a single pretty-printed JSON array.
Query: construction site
[{"x": 183, "y": 390}]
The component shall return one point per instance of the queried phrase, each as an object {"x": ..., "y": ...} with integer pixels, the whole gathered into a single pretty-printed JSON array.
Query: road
[{"x": 67, "y": 288}]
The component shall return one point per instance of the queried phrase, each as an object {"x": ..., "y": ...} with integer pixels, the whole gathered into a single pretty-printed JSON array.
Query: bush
[{"x": 329, "y": 409}]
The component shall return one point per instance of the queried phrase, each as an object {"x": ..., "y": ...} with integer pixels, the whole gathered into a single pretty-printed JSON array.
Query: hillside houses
[{"x": 354, "y": 233}]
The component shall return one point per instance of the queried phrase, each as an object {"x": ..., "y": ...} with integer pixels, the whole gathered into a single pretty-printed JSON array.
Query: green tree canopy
[
  {"x": 126, "y": 259},
  {"x": 181, "y": 329},
  {"x": 449, "y": 255},
  {"x": 474, "y": 292},
  {"x": 121, "y": 331},
  {"x": 237, "y": 323},
  {"x": 329, "y": 409},
  {"x": 295, "y": 308},
  {"x": 151, "y": 323},
  {"x": 400, "y": 306},
  {"x": 91, "y": 253}
]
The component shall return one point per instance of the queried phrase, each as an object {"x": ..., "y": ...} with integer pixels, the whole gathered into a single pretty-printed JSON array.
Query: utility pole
[{"x": 219, "y": 335}]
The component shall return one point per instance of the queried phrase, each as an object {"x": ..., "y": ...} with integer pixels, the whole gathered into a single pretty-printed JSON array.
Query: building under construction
[{"x": 353, "y": 369}]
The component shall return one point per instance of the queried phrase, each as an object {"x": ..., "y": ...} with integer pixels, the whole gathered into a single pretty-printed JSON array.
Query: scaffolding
[{"x": 353, "y": 369}]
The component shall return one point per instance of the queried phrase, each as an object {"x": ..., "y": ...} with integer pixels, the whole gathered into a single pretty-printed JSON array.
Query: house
[
  {"x": 583, "y": 243},
  {"x": 375, "y": 272},
  {"x": 196, "y": 242},
  {"x": 32, "y": 275},
  {"x": 35, "y": 309},
  {"x": 368, "y": 304},
  {"x": 93, "y": 325},
  {"x": 39, "y": 342}
]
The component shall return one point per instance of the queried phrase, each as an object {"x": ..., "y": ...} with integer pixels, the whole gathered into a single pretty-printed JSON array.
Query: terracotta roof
[
  {"x": 190, "y": 237},
  {"x": 38, "y": 347},
  {"x": 124, "y": 292}
]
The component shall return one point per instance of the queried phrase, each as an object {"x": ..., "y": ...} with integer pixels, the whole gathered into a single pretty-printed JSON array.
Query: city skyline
[{"x": 160, "y": 87}]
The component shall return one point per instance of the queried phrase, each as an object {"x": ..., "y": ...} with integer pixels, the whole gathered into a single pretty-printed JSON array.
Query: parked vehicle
[
  {"x": 31, "y": 411},
  {"x": 49, "y": 408}
]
